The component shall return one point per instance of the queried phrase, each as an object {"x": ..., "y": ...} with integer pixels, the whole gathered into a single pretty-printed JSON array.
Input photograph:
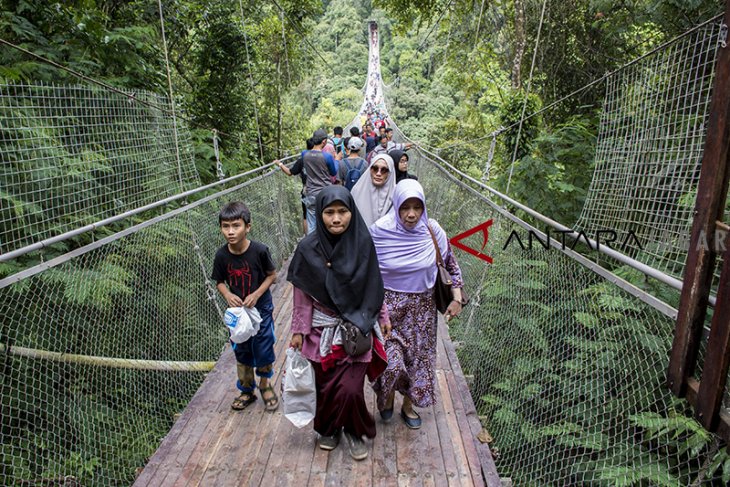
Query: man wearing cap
[
  {"x": 353, "y": 166},
  {"x": 355, "y": 132},
  {"x": 319, "y": 167}
]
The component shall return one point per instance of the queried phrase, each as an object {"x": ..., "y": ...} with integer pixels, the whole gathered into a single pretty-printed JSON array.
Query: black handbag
[
  {"x": 442, "y": 295},
  {"x": 354, "y": 341}
]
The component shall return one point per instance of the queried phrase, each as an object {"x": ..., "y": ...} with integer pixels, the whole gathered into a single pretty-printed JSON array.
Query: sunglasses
[{"x": 379, "y": 170}]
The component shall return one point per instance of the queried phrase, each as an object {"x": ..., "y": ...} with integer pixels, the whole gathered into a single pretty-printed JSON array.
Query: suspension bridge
[{"x": 556, "y": 373}]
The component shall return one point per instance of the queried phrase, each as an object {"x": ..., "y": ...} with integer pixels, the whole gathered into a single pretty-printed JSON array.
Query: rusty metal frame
[{"x": 706, "y": 394}]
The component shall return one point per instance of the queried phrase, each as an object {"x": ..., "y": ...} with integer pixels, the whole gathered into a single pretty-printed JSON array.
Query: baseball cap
[
  {"x": 355, "y": 143},
  {"x": 318, "y": 136}
]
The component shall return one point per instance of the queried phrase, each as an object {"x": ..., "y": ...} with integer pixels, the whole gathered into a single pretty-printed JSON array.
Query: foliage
[
  {"x": 559, "y": 163},
  {"x": 571, "y": 389},
  {"x": 251, "y": 74},
  {"x": 517, "y": 137}
]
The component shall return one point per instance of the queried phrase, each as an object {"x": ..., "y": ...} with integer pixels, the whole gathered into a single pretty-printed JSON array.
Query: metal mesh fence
[
  {"x": 73, "y": 155},
  {"x": 566, "y": 369},
  {"x": 649, "y": 150},
  {"x": 79, "y": 402}
]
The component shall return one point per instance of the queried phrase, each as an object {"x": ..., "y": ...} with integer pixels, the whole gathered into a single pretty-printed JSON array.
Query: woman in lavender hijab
[{"x": 407, "y": 258}]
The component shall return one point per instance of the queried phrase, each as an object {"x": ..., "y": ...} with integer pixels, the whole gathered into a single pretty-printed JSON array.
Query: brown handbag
[{"x": 442, "y": 295}]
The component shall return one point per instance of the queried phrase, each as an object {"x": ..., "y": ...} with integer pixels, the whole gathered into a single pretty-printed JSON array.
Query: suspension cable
[
  {"x": 527, "y": 95},
  {"x": 304, "y": 36},
  {"x": 250, "y": 81},
  {"x": 614, "y": 254},
  {"x": 131, "y": 95},
  {"x": 419, "y": 49},
  {"x": 423, "y": 42},
  {"x": 479, "y": 24},
  {"x": 172, "y": 100},
  {"x": 122, "y": 216}
]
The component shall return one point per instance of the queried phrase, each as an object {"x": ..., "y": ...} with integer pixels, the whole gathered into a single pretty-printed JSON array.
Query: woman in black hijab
[
  {"x": 400, "y": 159},
  {"x": 336, "y": 276}
]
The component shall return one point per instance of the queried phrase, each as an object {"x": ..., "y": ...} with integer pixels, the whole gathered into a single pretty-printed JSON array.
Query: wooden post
[
  {"x": 711, "y": 195},
  {"x": 717, "y": 359}
]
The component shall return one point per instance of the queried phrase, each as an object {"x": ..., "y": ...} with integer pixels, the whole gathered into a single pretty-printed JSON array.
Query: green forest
[
  {"x": 458, "y": 70},
  {"x": 261, "y": 76}
]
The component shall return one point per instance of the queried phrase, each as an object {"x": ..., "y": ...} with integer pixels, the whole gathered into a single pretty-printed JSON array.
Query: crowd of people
[
  {"x": 368, "y": 263},
  {"x": 337, "y": 160}
]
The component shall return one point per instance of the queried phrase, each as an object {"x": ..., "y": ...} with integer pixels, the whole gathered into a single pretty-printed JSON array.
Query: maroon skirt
[{"x": 341, "y": 400}]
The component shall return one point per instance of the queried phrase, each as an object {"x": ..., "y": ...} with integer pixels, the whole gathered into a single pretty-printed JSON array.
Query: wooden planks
[{"x": 212, "y": 445}]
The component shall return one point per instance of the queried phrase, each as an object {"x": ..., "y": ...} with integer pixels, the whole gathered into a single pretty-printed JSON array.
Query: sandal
[
  {"x": 272, "y": 403},
  {"x": 243, "y": 401}
]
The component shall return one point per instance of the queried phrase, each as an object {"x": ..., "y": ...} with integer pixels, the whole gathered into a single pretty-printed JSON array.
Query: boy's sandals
[
  {"x": 272, "y": 403},
  {"x": 243, "y": 401}
]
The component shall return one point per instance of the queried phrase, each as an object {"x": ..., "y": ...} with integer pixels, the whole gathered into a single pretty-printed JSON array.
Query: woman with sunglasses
[{"x": 373, "y": 195}]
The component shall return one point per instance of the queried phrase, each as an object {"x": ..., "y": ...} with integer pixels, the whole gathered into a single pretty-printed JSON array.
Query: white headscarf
[{"x": 374, "y": 202}]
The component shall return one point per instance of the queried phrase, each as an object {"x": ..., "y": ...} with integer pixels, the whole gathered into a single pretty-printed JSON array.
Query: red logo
[{"x": 484, "y": 227}]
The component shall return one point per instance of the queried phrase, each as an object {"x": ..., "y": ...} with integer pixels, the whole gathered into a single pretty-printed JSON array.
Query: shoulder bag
[
  {"x": 442, "y": 295},
  {"x": 354, "y": 341}
]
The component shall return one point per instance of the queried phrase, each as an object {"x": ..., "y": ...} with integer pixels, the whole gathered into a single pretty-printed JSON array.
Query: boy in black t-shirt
[{"x": 244, "y": 272}]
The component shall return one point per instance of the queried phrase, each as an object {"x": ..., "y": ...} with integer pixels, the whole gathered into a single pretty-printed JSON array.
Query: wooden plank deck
[{"x": 212, "y": 445}]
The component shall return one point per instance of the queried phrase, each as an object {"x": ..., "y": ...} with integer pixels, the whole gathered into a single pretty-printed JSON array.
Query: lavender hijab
[{"x": 407, "y": 257}]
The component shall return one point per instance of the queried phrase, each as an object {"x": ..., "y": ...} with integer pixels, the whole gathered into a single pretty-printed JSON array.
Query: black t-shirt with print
[{"x": 243, "y": 273}]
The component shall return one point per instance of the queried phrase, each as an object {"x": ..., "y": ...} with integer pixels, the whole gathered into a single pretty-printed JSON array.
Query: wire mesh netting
[
  {"x": 649, "y": 150},
  {"x": 79, "y": 402},
  {"x": 566, "y": 369},
  {"x": 73, "y": 155},
  {"x": 101, "y": 349}
]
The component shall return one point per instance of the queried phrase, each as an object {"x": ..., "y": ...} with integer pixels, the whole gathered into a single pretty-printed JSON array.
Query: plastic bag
[
  {"x": 300, "y": 394},
  {"x": 243, "y": 323}
]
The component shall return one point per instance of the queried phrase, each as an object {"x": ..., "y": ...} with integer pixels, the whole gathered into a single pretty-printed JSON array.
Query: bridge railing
[
  {"x": 566, "y": 367},
  {"x": 102, "y": 346}
]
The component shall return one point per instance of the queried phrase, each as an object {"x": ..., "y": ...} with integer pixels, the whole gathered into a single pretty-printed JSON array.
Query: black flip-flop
[{"x": 239, "y": 403}]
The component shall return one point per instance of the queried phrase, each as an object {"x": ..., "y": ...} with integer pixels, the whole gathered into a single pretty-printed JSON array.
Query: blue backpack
[{"x": 353, "y": 173}]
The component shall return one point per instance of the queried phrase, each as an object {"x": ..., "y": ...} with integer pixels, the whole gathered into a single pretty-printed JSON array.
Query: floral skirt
[{"x": 411, "y": 349}]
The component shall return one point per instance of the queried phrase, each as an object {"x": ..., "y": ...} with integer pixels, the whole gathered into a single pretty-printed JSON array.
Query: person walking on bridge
[
  {"x": 400, "y": 159},
  {"x": 373, "y": 193},
  {"x": 405, "y": 241},
  {"x": 320, "y": 167},
  {"x": 336, "y": 278}
]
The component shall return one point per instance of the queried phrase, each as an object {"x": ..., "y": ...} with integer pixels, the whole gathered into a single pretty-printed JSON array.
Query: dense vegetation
[{"x": 456, "y": 71}]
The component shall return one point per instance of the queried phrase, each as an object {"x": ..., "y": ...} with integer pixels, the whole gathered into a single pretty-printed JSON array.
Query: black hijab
[
  {"x": 396, "y": 154},
  {"x": 340, "y": 271}
]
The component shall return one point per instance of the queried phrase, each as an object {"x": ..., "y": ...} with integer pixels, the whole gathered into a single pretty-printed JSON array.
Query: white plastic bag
[
  {"x": 300, "y": 395},
  {"x": 243, "y": 322}
]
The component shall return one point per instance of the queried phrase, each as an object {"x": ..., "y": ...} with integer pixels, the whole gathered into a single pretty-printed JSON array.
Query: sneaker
[
  {"x": 358, "y": 448},
  {"x": 329, "y": 442}
]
